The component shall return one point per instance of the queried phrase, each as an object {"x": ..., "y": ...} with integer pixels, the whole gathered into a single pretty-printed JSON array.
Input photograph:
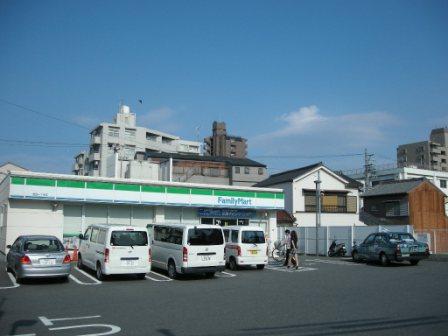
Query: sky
[{"x": 303, "y": 81}]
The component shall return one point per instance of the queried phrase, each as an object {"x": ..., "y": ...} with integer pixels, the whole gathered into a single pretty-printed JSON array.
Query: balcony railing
[{"x": 327, "y": 208}]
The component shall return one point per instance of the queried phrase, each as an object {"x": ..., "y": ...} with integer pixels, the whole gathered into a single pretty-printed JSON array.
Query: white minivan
[
  {"x": 115, "y": 249},
  {"x": 245, "y": 245},
  {"x": 187, "y": 248}
]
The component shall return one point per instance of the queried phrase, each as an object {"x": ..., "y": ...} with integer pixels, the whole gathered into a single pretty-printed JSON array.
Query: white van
[
  {"x": 187, "y": 248},
  {"x": 245, "y": 245},
  {"x": 115, "y": 249}
]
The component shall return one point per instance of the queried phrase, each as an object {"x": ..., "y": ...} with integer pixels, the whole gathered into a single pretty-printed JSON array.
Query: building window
[
  {"x": 237, "y": 170},
  {"x": 443, "y": 184},
  {"x": 114, "y": 131},
  {"x": 260, "y": 171},
  {"x": 129, "y": 133},
  {"x": 442, "y": 153},
  {"x": 392, "y": 208},
  {"x": 129, "y": 151},
  {"x": 246, "y": 170}
]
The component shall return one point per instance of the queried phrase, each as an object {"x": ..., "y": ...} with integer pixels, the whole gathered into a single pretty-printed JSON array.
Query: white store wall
[{"x": 64, "y": 219}]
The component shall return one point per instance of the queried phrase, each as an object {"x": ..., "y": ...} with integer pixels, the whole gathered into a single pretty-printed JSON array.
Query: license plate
[
  {"x": 405, "y": 255},
  {"x": 129, "y": 263},
  {"x": 253, "y": 252},
  {"x": 47, "y": 261},
  {"x": 205, "y": 258}
]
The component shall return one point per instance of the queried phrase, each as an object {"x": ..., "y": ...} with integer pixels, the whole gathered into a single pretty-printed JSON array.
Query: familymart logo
[{"x": 234, "y": 201}]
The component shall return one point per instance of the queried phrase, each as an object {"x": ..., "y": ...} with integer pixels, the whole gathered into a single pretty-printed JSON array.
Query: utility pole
[
  {"x": 318, "y": 210},
  {"x": 368, "y": 170}
]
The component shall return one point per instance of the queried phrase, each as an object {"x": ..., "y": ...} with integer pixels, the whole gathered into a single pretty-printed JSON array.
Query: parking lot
[{"x": 323, "y": 297}]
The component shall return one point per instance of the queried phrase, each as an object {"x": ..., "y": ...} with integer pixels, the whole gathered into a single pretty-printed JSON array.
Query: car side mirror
[
  {"x": 8, "y": 246},
  {"x": 81, "y": 237}
]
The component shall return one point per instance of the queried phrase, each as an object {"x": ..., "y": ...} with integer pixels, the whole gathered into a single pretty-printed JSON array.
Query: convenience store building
[{"x": 64, "y": 205}]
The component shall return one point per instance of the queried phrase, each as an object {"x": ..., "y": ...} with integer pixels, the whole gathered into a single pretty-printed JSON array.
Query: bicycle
[{"x": 279, "y": 252}]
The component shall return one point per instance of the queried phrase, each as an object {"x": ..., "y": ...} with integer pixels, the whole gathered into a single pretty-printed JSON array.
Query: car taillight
[
  {"x": 67, "y": 259},
  {"x": 106, "y": 255},
  {"x": 238, "y": 251},
  {"x": 184, "y": 254},
  {"x": 149, "y": 255},
  {"x": 25, "y": 260}
]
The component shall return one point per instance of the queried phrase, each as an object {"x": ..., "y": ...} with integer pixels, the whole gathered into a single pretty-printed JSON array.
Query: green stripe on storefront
[
  {"x": 208, "y": 192},
  {"x": 100, "y": 185},
  {"x": 173, "y": 190},
  {"x": 71, "y": 184},
  {"x": 18, "y": 180},
  {"x": 156, "y": 189},
  {"x": 127, "y": 187},
  {"x": 233, "y": 193},
  {"x": 265, "y": 195},
  {"x": 143, "y": 188},
  {"x": 40, "y": 182}
]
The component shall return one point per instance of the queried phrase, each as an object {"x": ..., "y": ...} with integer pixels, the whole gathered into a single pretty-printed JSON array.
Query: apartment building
[
  {"x": 121, "y": 140},
  {"x": 431, "y": 154},
  {"x": 389, "y": 174},
  {"x": 208, "y": 169},
  {"x": 222, "y": 144}
]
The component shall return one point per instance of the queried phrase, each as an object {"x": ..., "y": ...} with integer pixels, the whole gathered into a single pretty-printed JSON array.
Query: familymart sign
[{"x": 129, "y": 193}]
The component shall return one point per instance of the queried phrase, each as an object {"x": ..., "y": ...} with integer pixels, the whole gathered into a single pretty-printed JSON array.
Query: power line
[
  {"x": 69, "y": 122},
  {"x": 306, "y": 156},
  {"x": 14, "y": 142}
]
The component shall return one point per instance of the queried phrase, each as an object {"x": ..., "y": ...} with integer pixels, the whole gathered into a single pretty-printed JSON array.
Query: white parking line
[
  {"x": 49, "y": 322},
  {"x": 23, "y": 335},
  {"x": 290, "y": 270},
  {"x": 14, "y": 282},
  {"x": 164, "y": 278},
  {"x": 227, "y": 275},
  {"x": 89, "y": 276}
]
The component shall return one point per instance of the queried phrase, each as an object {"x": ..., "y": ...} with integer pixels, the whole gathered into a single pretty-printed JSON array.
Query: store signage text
[{"x": 234, "y": 201}]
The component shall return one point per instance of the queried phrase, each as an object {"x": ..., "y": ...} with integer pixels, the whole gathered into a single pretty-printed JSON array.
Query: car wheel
[
  {"x": 172, "y": 273},
  {"x": 384, "y": 259},
  {"x": 79, "y": 262},
  {"x": 355, "y": 256},
  {"x": 141, "y": 276},
  {"x": 99, "y": 272},
  {"x": 232, "y": 264},
  {"x": 209, "y": 275},
  {"x": 260, "y": 267},
  {"x": 64, "y": 279},
  {"x": 414, "y": 262}
]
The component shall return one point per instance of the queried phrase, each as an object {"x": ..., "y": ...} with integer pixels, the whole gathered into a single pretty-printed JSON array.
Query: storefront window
[
  {"x": 243, "y": 222},
  {"x": 206, "y": 220}
]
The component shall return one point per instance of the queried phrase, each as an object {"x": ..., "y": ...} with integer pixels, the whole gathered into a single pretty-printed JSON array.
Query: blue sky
[{"x": 297, "y": 78}]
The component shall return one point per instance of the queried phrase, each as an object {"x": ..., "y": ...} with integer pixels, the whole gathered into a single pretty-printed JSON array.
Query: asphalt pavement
[{"x": 323, "y": 297}]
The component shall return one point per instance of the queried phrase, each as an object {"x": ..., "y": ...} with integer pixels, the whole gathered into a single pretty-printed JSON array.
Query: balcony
[
  {"x": 327, "y": 208},
  {"x": 95, "y": 139},
  {"x": 94, "y": 156}
]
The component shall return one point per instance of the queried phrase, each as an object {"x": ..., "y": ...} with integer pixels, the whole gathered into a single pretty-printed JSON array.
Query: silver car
[{"x": 38, "y": 256}]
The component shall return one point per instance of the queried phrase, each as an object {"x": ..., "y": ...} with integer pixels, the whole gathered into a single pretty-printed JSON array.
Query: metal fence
[
  {"x": 342, "y": 234},
  {"x": 437, "y": 239}
]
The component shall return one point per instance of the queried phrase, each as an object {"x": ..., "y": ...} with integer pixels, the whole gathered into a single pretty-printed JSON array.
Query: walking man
[{"x": 287, "y": 242}]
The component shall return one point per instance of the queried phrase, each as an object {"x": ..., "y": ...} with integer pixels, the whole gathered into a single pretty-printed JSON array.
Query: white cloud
[
  {"x": 308, "y": 131},
  {"x": 163, "y": 119},
  {"x": 86, "y": 121}
]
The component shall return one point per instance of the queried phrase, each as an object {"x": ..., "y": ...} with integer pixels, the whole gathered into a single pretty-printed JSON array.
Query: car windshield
[
  {"x": 129, "y": 238},
  {"x": 401, "y": 237},
  {"x": 43, "y": 245},
  {"x": 205, "y": 237},
  {"x": 253, "y": 237}
]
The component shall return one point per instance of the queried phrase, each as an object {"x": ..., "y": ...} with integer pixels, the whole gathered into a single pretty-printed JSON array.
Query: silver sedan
[{"x": 38, "y": 256}]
